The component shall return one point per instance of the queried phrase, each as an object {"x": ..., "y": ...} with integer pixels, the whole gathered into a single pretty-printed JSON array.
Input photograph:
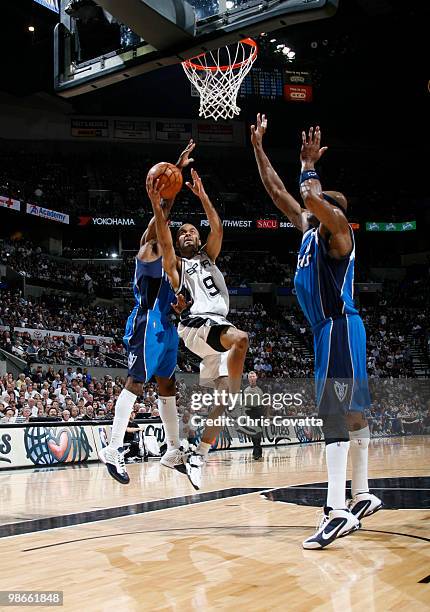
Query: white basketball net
[{"x": 217, "y": 84}]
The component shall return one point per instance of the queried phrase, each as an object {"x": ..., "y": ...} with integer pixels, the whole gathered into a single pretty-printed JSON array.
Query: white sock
[
  {"x": 359, "y": 458},
  {"x": 169, "y": 416},
  {"x": 203, "y": 449},
  {"x": 336, "y": 458},
  {"x": 123, "y": 407}
]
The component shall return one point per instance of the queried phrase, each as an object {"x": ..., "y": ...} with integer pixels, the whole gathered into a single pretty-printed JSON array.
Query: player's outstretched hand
[
  {"x": 197, "y": 186},
  {"x": 184, "y": 158},
  {"x": 258, "y": 132},
  {"x": 181, "y": 304},
  {"x": 311, "y": 150},
  {"x": 153, "y": 188}
]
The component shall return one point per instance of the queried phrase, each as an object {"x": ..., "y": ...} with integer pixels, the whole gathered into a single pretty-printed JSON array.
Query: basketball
[{"x": 170, "y": 178}]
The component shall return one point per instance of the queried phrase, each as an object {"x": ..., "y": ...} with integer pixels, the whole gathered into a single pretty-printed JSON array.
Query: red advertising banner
[
  {"x": 298, "y": 86},
  {"x": 298, "y": 93}
]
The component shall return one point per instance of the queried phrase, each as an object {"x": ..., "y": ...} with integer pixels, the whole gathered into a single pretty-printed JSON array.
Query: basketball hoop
[{"x": 218, "y": 75}]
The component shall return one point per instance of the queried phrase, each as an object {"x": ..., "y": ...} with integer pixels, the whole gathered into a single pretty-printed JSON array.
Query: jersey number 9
[{"x": 209, "y": 283}]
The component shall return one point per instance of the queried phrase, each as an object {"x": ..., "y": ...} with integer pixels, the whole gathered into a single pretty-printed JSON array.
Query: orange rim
[{"x": 246, "y": 41}]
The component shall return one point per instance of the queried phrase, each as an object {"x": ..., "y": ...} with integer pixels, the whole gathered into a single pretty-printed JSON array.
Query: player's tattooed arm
[
  {"x": 183, "y": 161},
  {"x": 311, "y": 191},
  {"x": 214, "y": 241},
  {"x": 164, "y": 236},
  {"x": 274, "y": 186}
]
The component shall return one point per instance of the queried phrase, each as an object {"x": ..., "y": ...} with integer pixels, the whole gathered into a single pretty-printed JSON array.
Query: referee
[{"x": 253, "y": 396}]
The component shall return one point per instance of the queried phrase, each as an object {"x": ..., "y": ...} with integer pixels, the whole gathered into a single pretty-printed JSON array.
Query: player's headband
[{"x": 333, "y": 202}]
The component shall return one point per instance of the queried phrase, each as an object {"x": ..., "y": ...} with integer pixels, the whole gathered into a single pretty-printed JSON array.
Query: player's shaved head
[{"x": 339, "y": 199}]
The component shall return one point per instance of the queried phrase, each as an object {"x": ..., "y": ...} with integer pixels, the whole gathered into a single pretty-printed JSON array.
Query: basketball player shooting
[
  {"x": 152, "y": 345},
  {"x": 324, "y": 286},
  {"x": 205, "y": 331}
]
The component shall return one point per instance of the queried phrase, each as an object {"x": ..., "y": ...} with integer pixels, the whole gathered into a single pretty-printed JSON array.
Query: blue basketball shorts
[
  {"x": 152, "y": 346},
  {"x": 340, "y": 365}
]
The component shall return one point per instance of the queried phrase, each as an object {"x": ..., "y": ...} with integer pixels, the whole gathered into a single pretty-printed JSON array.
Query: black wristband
[{"x": 306, "y": 175}]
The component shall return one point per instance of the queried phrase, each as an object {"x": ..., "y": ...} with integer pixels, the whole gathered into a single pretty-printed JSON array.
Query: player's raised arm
[
  {"x": 150, "y": 232},
  {"x": 214, "y": 241},
  {"x": 330, "y": 215},
  {"x": 164, "y": 236},
  {"x": 271, "y": 181},
  {"x": 183, "y": 161}
]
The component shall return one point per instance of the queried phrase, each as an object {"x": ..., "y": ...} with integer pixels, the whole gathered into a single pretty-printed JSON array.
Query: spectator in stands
[{"x": 9, "y": 415}]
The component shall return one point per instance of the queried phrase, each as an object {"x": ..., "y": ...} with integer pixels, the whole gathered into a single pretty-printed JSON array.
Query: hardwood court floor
[{"x": 228, "y": 547}]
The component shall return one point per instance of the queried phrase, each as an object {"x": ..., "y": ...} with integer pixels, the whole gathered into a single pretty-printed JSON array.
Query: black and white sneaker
[
  {"x": 175, "y": 459},
  {"x": 364, "y": 504},
  {"x": 334, "y": 524},
  {"x": 115, "y": 463},
  {"x": 194, "y": 466}
]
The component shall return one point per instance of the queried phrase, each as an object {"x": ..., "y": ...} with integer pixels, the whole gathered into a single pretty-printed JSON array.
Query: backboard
[{"x": 98, "y": 44}]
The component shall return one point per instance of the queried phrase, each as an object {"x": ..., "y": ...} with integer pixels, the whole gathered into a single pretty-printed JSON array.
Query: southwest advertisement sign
[
  {"x": 234, "y": 223},
  {"x": 10, "y": 203},
  {"x": 46, "y": 213},
  {"x": 389, "y": 226}
]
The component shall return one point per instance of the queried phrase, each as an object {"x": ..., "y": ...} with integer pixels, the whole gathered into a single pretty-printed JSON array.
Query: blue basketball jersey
[
  {"x": 150, "y": 336},
  {"x": 324, "y": 286},
  {"x": 152, "y": 291}
]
